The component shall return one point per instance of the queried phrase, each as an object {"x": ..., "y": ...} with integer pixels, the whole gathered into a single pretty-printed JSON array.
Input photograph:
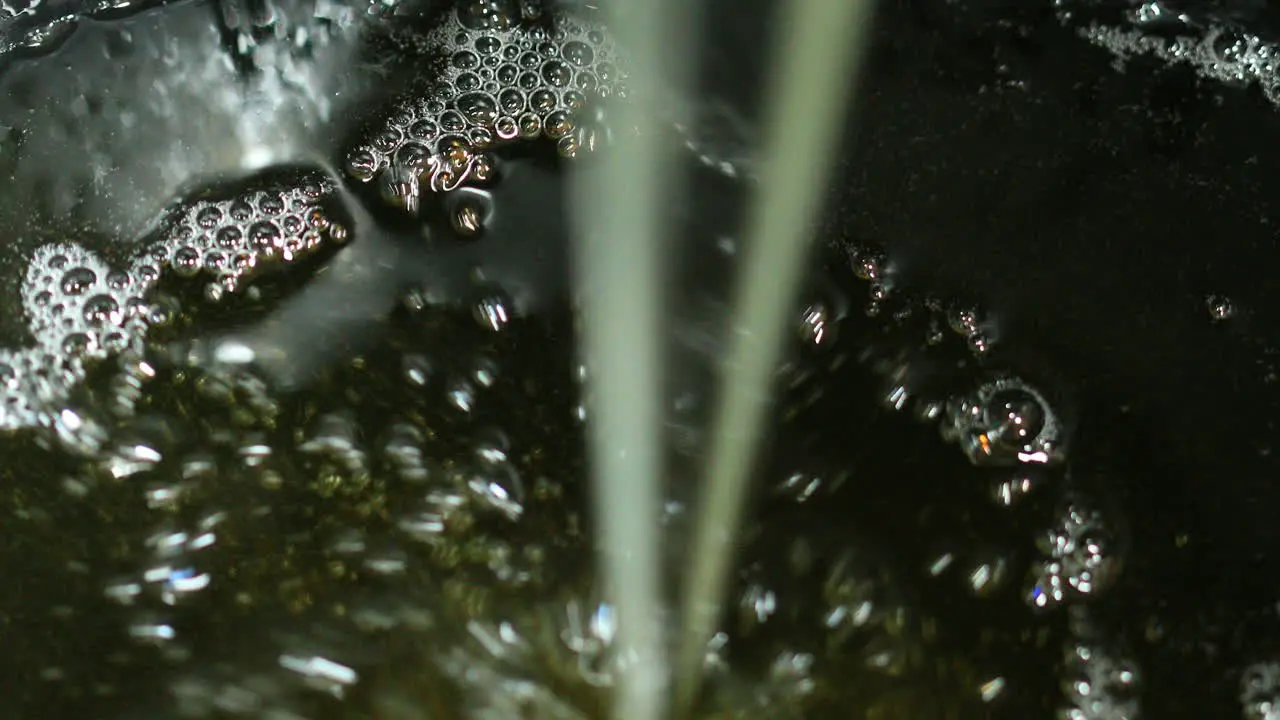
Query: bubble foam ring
[
  {"x": 502, "y": 82},
  {"x": 1005, "y": 422},
  {"x": 79, "y": 308}
]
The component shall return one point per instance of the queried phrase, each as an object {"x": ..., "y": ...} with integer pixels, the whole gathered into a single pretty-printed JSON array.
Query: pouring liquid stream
[
  {"x": 621, "y": 226},
  {"x": 816, "y": 46}
]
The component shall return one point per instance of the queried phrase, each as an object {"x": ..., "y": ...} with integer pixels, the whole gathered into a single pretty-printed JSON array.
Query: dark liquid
[{"x": 384, "y": 514}]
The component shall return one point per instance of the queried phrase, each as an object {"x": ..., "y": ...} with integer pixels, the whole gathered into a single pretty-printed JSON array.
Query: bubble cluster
[
  {"x": 324, "y": 514},
  {"x": 1080, "y": 557},
  {"x": 970, "y": 323},
  {"x": 1214, "y": 51},
  {"x": 27, "y": 25},
  {"x": 1015, "y": 438},
  {"x": 816, "y": 607},
  {"x": 81, "y": 308},
  {"x": 503, "y": 81},
  {"x": 870, "y": 265}
]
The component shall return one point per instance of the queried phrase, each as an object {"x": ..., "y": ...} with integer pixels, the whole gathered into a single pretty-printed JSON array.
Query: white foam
[{"x": 79, "y": 308}]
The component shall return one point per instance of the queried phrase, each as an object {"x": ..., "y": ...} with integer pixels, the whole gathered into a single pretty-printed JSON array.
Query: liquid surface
[{"x": 294, "y": 428}]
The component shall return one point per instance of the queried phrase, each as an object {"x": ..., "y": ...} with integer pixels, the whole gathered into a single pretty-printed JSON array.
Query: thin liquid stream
[
  {"x": 620, "y": 233},
  {"x": 819, "y": 47}
]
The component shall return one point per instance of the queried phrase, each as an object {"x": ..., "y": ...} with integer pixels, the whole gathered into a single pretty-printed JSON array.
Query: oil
[{"x": 243, "y": 507}]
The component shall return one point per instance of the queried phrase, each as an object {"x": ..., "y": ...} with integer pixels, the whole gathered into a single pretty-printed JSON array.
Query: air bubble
[
  {"x": 868, "y": 265},
  {"x": 493, "y": 311},
  {"x": 102, "y": 310},
  {"x": 115, "y": 342},
  {"x": 542, "y": 101},
  {"x": 1220, "y": 307},
  {"x": 229, "y": 237},
  {"x": 578, "y": 53},
  {"x": 574, "y": 100},
  {"x": 400, "y": 187},
  {"x": 478, "y": 108},
  {"x": 264, "y": 235},
  {"x": 568, "y": 147},
  {"x": 451, "y": 121},
  {"x": 557, "y": 125},
  {"x": 556, "y": 73},
  {"x": 817, "y": 325},
  {"x": 423, "y": 130},
  {"x": 361, "y": 164},
  {"x": 467, "y": 219},
  {"x": 979, "y": 343},
  {"x": 8, "y": 376},
  {"x": 413, "y": 157},
  {"x": 209, "y": 217},
  {"x": 77, "y": 280},
  {"x": 292, "y": 224},
  {"x": 77, "y": 344},
  {"x": 479, "y": 138},
  {"x": 271, "y": 204},
  {"x": 483, "y": 168},
  {"x": 186, "y": 261},
  {"x": 530, "y": 125},
  {"x": 387, "y": 140},
  {"x": 468, "y": 82},
  {"x": 240, "y": 211},
  {"x": 214, "y": 261},
  {"x": 1005, "y": 422},
  {"x": 511, "y": 101},
  {"x": 417, "y": 369},
  {"x": 506, "y": 128}
]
